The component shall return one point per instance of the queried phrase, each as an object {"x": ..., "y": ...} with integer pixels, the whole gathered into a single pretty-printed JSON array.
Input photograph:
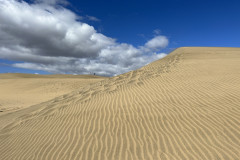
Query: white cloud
[
  {"x": 49, "y": 38},
  {"x": 157, "y": 42},
  {"x": 157, "y": 31},
  {"x": 92, "y": 18},
  {"x": 52, "y": 2}
]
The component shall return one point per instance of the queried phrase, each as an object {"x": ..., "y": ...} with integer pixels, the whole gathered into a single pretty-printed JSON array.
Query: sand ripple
[{"x": 185, "y": 106}]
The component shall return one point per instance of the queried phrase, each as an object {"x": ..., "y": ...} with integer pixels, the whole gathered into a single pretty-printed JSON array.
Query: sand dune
[
  {"x": 185, "y": 106},
  {"x": 18, "y": 91}
]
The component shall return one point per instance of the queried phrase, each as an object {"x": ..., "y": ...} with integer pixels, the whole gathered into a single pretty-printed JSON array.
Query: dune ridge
[{"x": 184, "y": 106}]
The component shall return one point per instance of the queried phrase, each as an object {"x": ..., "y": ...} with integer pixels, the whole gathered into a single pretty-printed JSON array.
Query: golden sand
[
  {"x": 184, "y": 106},
  {"x": 19, "y": 91}
]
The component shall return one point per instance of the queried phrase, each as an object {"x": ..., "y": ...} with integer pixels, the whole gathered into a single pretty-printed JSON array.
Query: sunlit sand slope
[
  {"x": 19, "y": 91},
  {"x": 185, "y": 106}
]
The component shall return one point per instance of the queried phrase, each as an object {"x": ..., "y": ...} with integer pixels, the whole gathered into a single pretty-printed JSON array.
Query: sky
[{"x": 108, "y": 37}]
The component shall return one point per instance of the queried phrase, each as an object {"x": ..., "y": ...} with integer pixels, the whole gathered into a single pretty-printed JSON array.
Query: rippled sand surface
[{"x": 184, "y": 106}]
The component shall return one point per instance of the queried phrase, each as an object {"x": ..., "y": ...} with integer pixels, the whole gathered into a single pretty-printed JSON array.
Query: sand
[
  {"x": 18, "y": 91},
  {"x": 184, "y": 106}
]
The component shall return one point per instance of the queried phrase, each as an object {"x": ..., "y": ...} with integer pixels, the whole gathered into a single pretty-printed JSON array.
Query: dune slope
[{"x": 185, "y": 106}]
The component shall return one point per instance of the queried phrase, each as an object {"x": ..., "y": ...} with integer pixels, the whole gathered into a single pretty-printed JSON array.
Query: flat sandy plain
[{"x": 184, "y": 106}]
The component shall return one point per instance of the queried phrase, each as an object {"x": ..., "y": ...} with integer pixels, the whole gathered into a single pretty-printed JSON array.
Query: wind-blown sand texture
[
  {"x": 184, "y": 106},
  {"x": 18, "y": 91}
]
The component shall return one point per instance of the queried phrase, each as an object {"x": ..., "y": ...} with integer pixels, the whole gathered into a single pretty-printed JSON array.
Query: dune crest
[{"x": 184, "y": 106}]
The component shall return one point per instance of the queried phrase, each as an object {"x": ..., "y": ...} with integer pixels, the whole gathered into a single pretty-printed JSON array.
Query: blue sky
[
  {"x": 130, "y": 33},
  {"x": 185, "y": 22}
]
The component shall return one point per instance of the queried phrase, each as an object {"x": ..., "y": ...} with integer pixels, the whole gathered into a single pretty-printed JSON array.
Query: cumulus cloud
[
  {"x": 45, "y": 37},
  {"x": 157, "y": 42}
]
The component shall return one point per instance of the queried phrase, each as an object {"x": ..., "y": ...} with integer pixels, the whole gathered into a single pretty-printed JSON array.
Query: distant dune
[
  {"x": 23, "y": 75},
  {"x": 184, "y": 106},
  {"x": 19, "y": 90}
]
